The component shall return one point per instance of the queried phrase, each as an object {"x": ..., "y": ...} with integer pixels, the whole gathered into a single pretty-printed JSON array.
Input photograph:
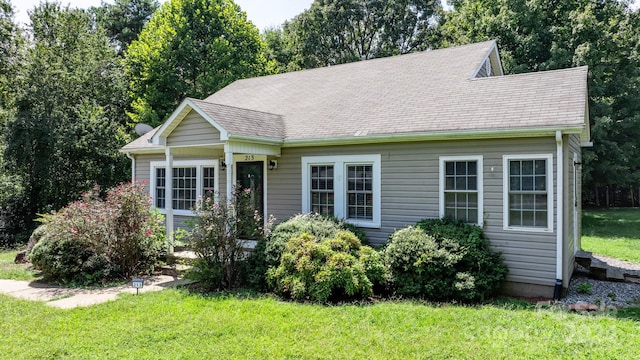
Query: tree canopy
[
  {"x": 190, "y": 48},
  {"x": 339, "y": 31},
  {"x": 124, "y": 19},
  {"x": 69, "y": 113}
]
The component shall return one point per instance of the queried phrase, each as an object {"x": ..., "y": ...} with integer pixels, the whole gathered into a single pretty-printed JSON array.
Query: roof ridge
[
  {"x": 531, "y": 73},
  {"x": 383, "y": 58}
]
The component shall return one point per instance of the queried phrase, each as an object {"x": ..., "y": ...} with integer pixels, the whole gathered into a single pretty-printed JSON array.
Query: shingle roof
[
  {"x": 430, "y": 91},
  {"x": 143, "y": 142},
  {"x": 243, "y": 121},
  {"x": 421, "y": 93}
]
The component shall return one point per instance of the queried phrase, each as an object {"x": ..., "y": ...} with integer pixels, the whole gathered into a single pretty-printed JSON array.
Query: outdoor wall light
[
  {"x": 223, "y": 165},
  {"x": 273, "y": 164}
]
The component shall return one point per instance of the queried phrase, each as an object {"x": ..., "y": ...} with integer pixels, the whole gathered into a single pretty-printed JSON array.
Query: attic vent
[
  {"x": 485, "y": 69},
  {"x": 487, "y": 66}
]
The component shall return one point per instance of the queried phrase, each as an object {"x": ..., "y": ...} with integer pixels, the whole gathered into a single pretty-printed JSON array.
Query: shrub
[
  {"x": 332, "y": 269},
  {"x": 137, "y": 235},
  {"x": 442, "y": 268},
  {"x": 94, "y": 240},
  {"x": 214, "y": 237},
  {"x": 70, "y": 260},
  {"x": 268, "y": 251},
  {"x": 485, "y": 265}
]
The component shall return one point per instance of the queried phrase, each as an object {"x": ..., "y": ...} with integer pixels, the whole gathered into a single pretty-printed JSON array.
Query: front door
[{"x": 250, "y": 192}]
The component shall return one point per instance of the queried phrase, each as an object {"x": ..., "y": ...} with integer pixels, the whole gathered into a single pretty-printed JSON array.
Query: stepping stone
[
  {"x": 614, "y": 275},
  {"x": 599, "y": 271}
]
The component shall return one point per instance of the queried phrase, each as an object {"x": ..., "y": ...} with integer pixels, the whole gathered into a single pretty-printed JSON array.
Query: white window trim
[
  {"x": 480, "y": 182},
  {"x": 198, "y": 164},
  {"x": 340, "y": 163},
  {"x": 550, "y": 192}
]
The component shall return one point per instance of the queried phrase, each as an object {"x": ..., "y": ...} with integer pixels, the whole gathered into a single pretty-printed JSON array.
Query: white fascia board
[
  {"x": 433, "y": 136},
  {"x": 178, "y": 115},
  {"x": 255, "y": 139},
  {"x": 155, "y": 150}
]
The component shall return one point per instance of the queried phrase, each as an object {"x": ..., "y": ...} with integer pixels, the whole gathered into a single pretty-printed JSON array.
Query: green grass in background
[
  {"x": 612, "y": 232},
  {"x": 10, "y": 270}
]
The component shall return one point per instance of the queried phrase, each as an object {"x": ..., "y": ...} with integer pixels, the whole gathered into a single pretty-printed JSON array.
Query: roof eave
[
  {"x": 435, "y": 136},
  {"x": 264, "y": 140},
  {"x": 153, "y": 150}
]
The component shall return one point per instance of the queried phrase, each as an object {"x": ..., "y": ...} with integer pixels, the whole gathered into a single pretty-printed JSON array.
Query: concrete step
[
  {"x": 176, "y": 270},
  {"x": 598, "y": 269},
  {"x": 184, "y": 257},
  {"x": 615, "y": 275},
  {"x": 584, "y": 258}
]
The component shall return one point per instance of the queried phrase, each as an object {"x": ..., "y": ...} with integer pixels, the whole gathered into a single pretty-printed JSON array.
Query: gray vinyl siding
[
  {"x": 410, "y": 186},
  {"x": 143, "y": 166},
  {"x": 193, "y": 130},
  {"x": 572, "y": 145}
]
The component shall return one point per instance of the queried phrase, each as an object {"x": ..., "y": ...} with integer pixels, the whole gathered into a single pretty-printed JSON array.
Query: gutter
[
  {"x": 133, "y": 166},
  {"x": 557, "y": 291},
  {"x": 433, "y": 136}
]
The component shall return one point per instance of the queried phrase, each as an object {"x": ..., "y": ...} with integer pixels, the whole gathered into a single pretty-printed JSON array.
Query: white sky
[{"x": 263, "y": 13}]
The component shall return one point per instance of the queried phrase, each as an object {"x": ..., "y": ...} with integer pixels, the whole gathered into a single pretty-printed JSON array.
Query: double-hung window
[
  {"x": 528, "y": 192},
  {"x": 190, "y": 180},
  {"x": 347, "y": 187},
  {"x": 461, "y": 189}
]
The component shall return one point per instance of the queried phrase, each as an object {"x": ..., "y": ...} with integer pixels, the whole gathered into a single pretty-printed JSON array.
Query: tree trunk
[
  {"x": 597, "y": 196},
  {"x": 607, "y": 197}
]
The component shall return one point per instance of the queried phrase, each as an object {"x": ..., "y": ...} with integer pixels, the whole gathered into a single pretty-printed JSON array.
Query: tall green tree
[
  {"x": 123, "y": 20},
  {"x": 538, "y": 35},
  {"x": 12, "y": 195},
  {"x": 10, "y": 46},
  {"x": 190, "y": 48},
  {"x": 70, "y": 118},
  {"x": 339, "y": 31}
]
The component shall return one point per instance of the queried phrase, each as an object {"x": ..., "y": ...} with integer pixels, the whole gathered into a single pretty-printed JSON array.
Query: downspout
[
  {"x": 133, "y": 166},
  {"x": 168, "y": 197},
  {"x": 557, "y": 291}
]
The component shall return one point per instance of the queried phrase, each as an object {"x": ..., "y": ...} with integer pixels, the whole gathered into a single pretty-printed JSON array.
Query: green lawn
[
  {"x": 9, "y": 270},
  {"x": 176, "y": 324},
  {"x": 612, "y": 232}
]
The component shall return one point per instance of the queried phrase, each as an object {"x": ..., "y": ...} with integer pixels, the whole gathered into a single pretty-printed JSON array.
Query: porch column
[
  {"x": 168, "y": 186},
  {"x": 228, "y": 159}
]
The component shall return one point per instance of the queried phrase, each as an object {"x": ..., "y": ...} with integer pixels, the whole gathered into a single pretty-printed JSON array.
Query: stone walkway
[{"x": 66, "y": 298}]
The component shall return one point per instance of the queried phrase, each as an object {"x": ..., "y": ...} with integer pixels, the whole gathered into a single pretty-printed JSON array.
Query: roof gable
[
  {"x": 230, "y": 121},
  {"x": 188, "y": 105}
]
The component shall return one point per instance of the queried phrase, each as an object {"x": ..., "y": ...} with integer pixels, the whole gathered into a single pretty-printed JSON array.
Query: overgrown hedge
[
  {"x": 93, "y": 240},
  {"x": 443, "y": 259},
  {"x": 329, "y": 269},
  {"x": 269, "y": 250}
]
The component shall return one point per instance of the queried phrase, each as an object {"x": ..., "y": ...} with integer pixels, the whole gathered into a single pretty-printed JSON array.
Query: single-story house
[{"x": 384, "y": 143}]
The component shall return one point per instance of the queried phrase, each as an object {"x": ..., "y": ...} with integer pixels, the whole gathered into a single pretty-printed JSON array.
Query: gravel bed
[{"x": 619, "y": 294}]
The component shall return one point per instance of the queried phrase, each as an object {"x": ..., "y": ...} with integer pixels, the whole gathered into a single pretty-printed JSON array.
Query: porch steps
[
  {"x": 600, "y": 269},
  {"x": 179, "y": 262}
]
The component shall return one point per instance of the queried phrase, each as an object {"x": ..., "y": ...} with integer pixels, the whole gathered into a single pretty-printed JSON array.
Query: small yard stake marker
[{"x": 137, "y": 284}]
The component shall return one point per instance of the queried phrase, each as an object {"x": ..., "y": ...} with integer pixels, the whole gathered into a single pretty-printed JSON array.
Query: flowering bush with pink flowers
[{"x": 94, "y": 240}]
